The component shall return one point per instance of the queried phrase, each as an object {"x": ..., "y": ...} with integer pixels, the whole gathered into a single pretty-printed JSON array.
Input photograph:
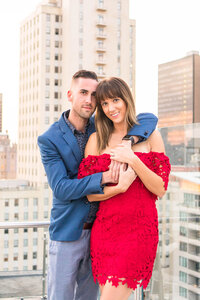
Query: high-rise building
[
  {"x": 179, "y": 91},
  {"x": 58, "y": 39},
  {"x": 8, "y": 158},
  {"x": 1, "y": 112}
]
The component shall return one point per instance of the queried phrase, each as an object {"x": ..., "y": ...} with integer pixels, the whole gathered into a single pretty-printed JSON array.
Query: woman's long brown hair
[{"x": 113, "y": 87}]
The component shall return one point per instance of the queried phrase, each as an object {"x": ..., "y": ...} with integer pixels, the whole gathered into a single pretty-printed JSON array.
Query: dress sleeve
[
  {"x": 93, "y": 164},
  {"x": 161, "y": 166}
]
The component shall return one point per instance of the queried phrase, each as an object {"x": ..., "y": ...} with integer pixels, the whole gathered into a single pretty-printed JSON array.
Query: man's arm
[
  {"x": 64, "y": 188},
  {"x": 146, "y": 125}
]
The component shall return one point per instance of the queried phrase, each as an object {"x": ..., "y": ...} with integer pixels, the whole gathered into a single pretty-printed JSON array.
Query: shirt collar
[{"x": 73, "y": 129}]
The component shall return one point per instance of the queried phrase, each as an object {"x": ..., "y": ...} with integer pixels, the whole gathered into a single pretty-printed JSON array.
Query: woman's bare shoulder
[
  {"x": 156, "y": 141},
  {"x": 91, "y": 146}
]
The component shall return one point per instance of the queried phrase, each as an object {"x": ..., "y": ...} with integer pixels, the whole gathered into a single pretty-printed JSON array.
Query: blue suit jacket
[{"x": 61, "y": 157}]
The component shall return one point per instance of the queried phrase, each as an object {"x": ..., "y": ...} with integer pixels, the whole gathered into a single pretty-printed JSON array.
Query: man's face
[{"x": 82, "y": 97}]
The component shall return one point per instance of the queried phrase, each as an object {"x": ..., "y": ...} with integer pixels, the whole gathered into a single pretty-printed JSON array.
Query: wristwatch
[{"x": 129, "y": 138}]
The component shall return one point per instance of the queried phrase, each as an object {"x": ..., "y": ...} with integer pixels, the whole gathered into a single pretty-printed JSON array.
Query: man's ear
[{"x": 69, "y": 96}]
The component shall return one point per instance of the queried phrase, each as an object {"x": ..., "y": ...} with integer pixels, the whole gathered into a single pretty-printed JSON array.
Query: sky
[{"x": 166, "y": 30}]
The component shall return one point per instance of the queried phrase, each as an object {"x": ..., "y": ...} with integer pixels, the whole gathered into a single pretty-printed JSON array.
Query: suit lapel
[{"x": 70, "y": 138}]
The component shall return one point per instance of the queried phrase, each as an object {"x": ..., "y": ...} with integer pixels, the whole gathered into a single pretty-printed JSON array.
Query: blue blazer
[{"x": 61, "y": 157}]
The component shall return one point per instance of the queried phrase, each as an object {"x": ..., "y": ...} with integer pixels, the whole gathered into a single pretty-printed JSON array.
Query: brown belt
[{"x": 87, "y": 225}]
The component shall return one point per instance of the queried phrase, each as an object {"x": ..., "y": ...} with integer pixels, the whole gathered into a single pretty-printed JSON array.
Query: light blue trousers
[{"x": 69, "y": 270}]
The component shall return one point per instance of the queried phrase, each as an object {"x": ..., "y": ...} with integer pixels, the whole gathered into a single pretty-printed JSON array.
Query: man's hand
[
  {"x": 112, "y": 176},
  {"x": 126, "y": 178}
]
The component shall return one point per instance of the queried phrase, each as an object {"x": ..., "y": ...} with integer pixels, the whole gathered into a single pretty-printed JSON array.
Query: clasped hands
[{"x": 120, "y": 170}]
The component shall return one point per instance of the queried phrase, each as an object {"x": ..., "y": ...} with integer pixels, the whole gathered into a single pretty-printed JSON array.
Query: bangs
[{"x": 108, "y": 89}]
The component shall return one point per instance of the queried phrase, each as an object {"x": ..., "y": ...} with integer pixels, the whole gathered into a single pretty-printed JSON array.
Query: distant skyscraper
[
  {"x": 179, "y": 91},
  {"x": 1, "y": 112},
  {"x": 8, "y": 158},
  {"x": 58, "y": 39}
]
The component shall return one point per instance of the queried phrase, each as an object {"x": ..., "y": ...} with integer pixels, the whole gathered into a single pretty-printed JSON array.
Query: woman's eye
[
  {"x": 115, "y": 100},
  {"x": 103, "y": 104}
]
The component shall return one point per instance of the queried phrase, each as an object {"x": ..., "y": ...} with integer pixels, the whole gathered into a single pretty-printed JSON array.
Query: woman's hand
[{"x": 122, "y": 153}]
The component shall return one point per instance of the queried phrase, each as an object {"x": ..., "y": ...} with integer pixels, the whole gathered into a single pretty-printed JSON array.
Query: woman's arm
[{"x": 151, "y": 180}]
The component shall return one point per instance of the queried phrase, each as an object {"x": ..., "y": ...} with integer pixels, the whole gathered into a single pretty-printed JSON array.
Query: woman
[{"x": 124, "y": 236}]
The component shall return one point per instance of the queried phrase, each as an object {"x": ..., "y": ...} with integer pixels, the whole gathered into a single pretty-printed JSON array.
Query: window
[
  {"x": 35, "y": 229},
  {"x": 25, "y": 242},
  {"x": 182, "y": 261},
  {"x": 56, "y": 31},
  {"x": 55, "y": 107},
  {"x": 56, "y": 82},
  {"x": 46, "y": 107},
  {"x": 15, "y": 243},
  {"x": 6, "y": 216},
  {"x": 25, "y": 230},
  {"x": 35, "y": 242},
  {"x": 56, "y": 18},
  {"x": 34, "y": 267},
  {"x": 47, "y": 81},
  {"x": 16, "y": 202},
  {"x": 46, "y": 185},
  {"x": 183, "y": 276},
  {"x": 47, "y": 55},
  {"x": 47, "y": 94},
  {"x": 16, "y": 230},
  {"x": 56, "y": 57},
  {"x": 183, "y": 231},
  {"x": 56, "y": 70},
  {"x": 35, "y": 201},
  {"x": 46, "y": 201},
  {"x": 16, "y": 216},
  {"x": 48, "y": 43},
  {"x": 25, "y": 201},
  {"x": 25, "y": 255},
  {"x": 25, "y": 215},
  {"x": 5, "y": 231},
  {"x": 6, "y": 202},
  {"x": 47, "y": 69},
  {"x": 100, "y": 44},
  {"x": 34, "y": 255},
  {"x": 48, "y": 29},
  {"x": 183, "y": 246},
  {"x": 6, "y": 244},
  {"x": 56, "y": 95},
  {"x": 35, "y": 215},
  {"x": 46, "y": 120},
  {"x": 45, "y": 214},
  {"x": 5, "y": 257},
  {"x": 15, "y": 256},
  {"x": 57, "y": 44}
]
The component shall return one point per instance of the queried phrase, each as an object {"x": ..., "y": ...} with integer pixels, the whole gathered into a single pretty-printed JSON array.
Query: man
[{"x": 62, "y": 149}]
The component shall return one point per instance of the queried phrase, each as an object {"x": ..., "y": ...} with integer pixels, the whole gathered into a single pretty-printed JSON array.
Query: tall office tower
[
  {"x": 1, "y": 112},
  {"x": 58, "y": 39},
  {"x": 179, "y": 91}
]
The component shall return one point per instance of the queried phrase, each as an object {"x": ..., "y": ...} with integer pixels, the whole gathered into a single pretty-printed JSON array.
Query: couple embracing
[{"x": 106, "y": 173}]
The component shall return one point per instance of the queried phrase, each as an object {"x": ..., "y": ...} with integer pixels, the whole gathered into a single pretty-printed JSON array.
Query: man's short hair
[{"x": 85, "y": 74}]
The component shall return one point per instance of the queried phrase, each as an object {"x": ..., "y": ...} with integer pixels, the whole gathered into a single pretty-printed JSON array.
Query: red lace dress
[{"x": 124, "y": 236}]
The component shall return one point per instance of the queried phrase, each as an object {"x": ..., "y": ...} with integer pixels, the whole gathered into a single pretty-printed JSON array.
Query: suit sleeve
[
  {"x": 64, "y": 188},
  {"x": 147, "y": 124}
]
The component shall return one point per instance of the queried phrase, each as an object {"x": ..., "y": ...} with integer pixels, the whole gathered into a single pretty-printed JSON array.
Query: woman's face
[{"x": 114, "y": 109}]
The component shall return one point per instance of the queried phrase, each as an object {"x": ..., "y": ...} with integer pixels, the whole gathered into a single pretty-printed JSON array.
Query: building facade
[
  {"x": 8, "y": 158},
  {"x": 58, "y": 39},
  {"x": 179, "y": 91}
]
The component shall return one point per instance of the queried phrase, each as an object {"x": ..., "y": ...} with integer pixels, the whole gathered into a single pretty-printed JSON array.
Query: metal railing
[{"x": 41, "y": 224}]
